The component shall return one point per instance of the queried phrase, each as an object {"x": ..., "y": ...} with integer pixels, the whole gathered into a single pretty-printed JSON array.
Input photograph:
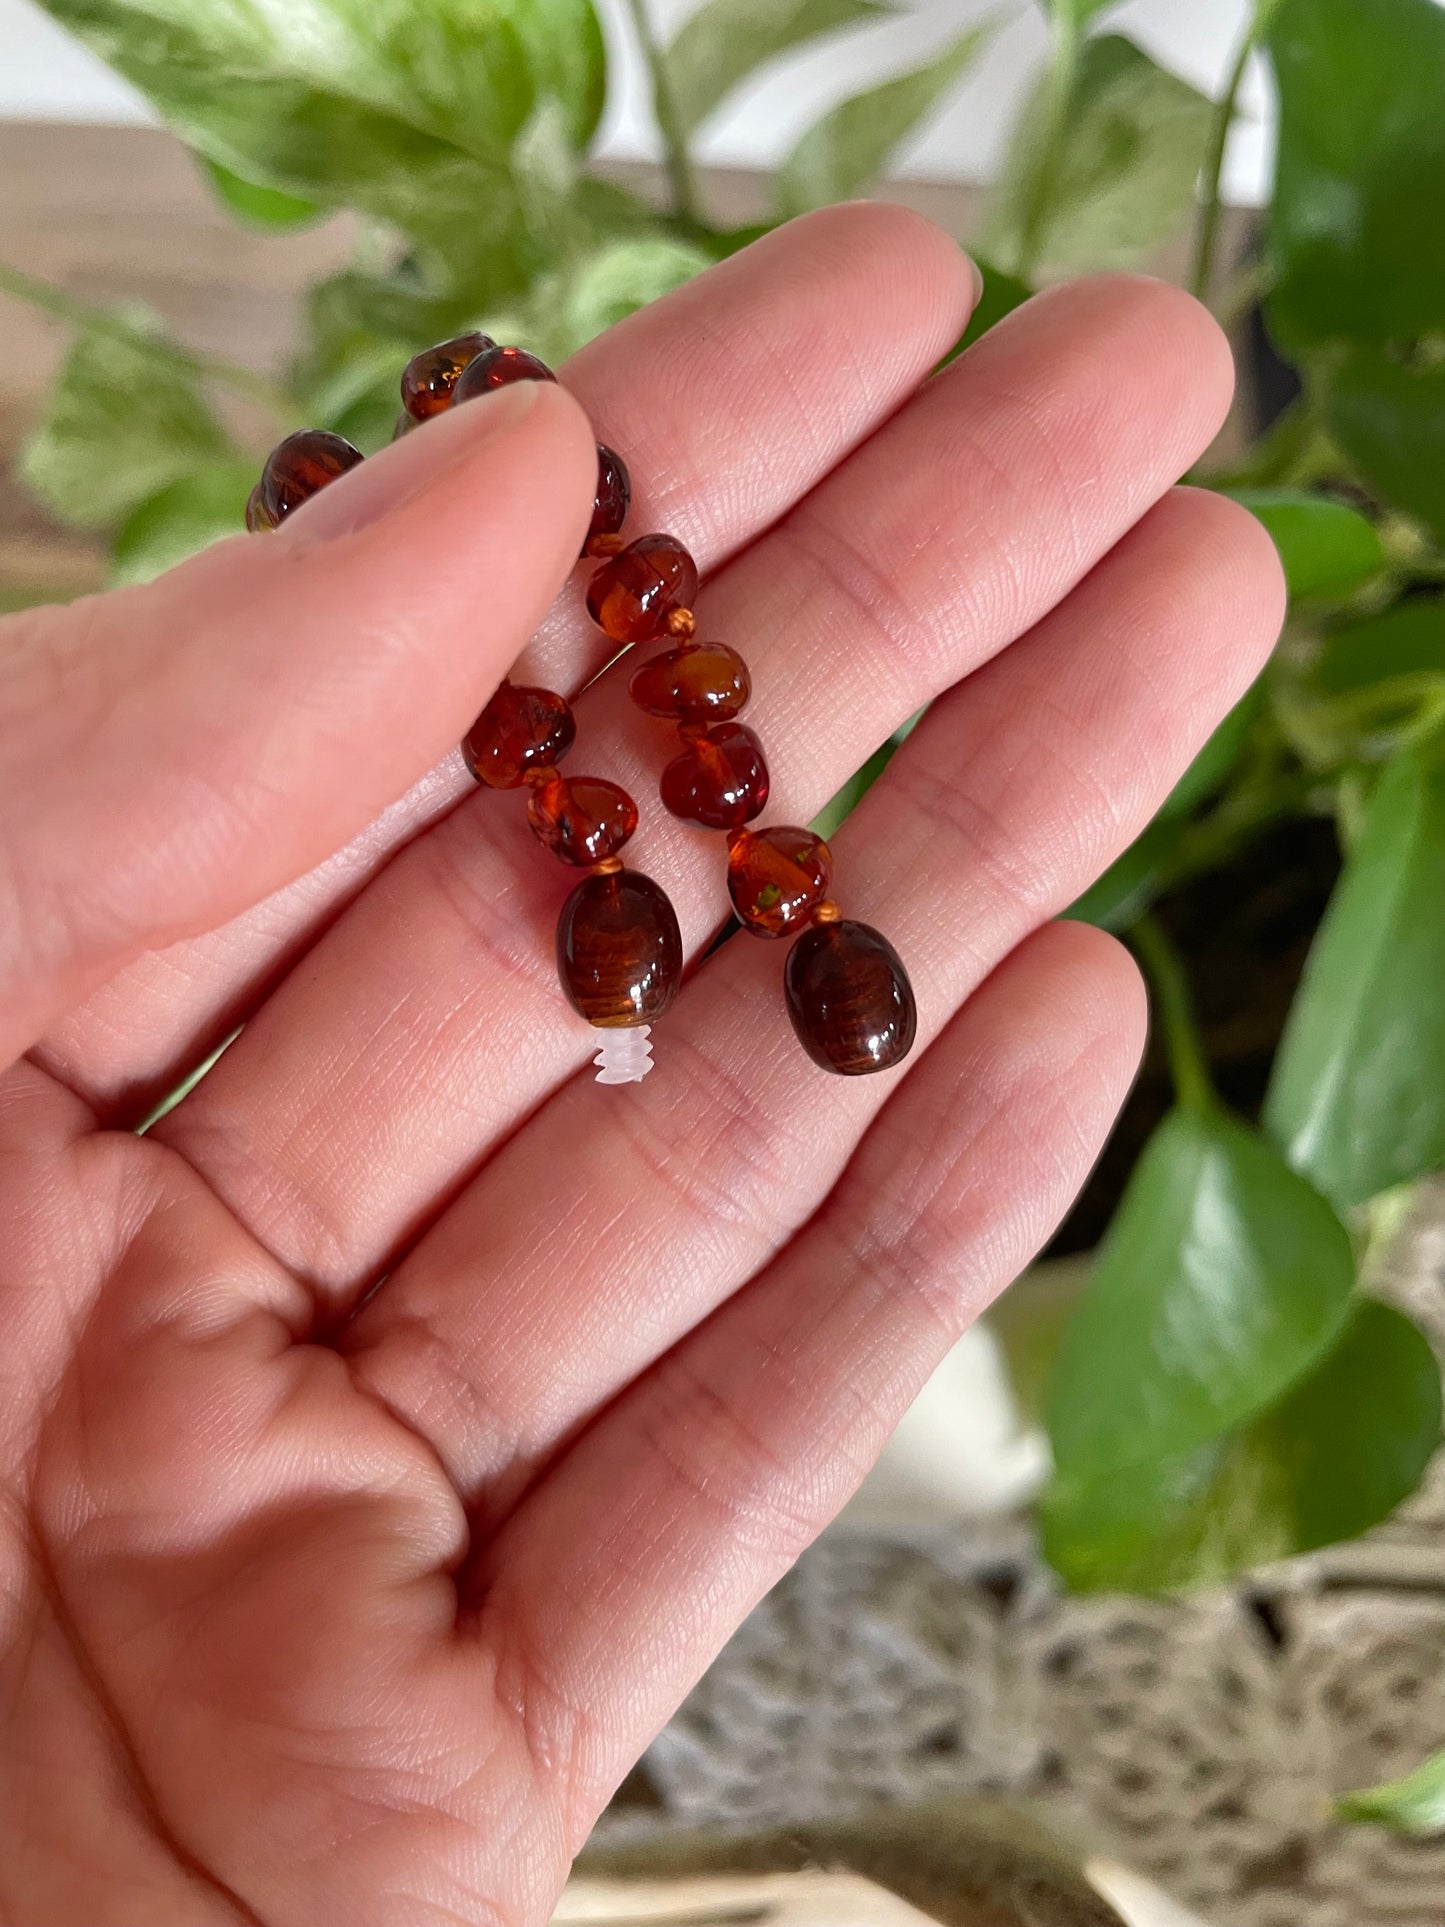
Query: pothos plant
[{"x": 1222, "y": 1393}]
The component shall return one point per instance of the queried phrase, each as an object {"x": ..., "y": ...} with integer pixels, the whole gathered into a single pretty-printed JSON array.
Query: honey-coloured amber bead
[
  {"x": 429, "y": 378},
  {"x": 297, "y": 469},
  {"x": 257, "y": 520},
  {"x": 619, "y": 950},
  {"x": 613, "y": 497},
  {"x": 777, "y": 877},
  {"x": 631, "y": 596},
  {"x": 582, "y": 820},
  {"x": 520, "y": 729},
  {"x": 719, "y": 780},
  {"x": 497, "y": 367},
  {"x": 849, "y": 998},
  {"x": 702, "y": 682}
]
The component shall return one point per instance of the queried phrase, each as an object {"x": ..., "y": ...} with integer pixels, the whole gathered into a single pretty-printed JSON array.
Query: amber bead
[
  {"x": 777, "y": 877},
  {"x": 849, "y": 998},
  {"x": 619, "y": 951},
  {"x": 720, "y": 779},
  {"x": 703, "y": 682},
  {"x": 630, "y": 597},
  {"x": 520, "y": 729},
  {"x": 257, "y": 519},
  {"x": 581, "y": 821},
  {"x": 297, "y": 469},
  {"x": 613, "y": 498},
  {"x": 428, "y": 379},
  {"x": 495, "y": 368}
]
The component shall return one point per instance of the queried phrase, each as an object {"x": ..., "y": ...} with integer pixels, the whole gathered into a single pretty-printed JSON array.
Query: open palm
[{"x": 393, "y": 1434}]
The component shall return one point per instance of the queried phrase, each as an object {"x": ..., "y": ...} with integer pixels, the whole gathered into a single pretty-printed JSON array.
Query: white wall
[{"x": 46, "y": 74}]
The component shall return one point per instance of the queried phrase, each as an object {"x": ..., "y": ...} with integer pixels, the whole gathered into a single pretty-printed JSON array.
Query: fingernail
[
  {"x": 977, "y": 279},
  {"x": 420, "y": 461}
]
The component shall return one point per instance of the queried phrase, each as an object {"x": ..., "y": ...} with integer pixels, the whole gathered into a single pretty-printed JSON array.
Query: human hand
[{"x": 333, "y": 1604}]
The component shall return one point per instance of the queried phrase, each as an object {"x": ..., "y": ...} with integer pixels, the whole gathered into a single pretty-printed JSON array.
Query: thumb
[{"x": 171, "y": 754}]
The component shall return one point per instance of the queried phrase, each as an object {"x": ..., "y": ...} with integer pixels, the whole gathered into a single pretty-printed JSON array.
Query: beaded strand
[{"x": 619, "y": 953}]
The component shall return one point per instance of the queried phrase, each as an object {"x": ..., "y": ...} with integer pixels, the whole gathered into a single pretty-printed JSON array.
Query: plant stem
[
  {"x": 1192, "y": 1084},
  {"x": 681, "y": 178},
  {"x": 1201, "y": 277},
  {"x": 96, "y": 320},
  {"x": 1063, "y": 70}
]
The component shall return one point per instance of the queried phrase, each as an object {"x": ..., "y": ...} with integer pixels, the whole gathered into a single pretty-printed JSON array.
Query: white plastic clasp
[{"x": 625, "y": 1057}]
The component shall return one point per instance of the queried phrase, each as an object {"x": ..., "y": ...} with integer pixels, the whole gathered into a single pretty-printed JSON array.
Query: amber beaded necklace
[{"x": 619, "y": 953}]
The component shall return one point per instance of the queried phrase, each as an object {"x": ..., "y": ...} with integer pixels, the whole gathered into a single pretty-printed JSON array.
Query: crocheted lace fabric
[{"x": 1199, "y": 1741}]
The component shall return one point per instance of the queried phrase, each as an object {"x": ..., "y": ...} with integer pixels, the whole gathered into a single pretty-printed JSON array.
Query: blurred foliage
[
  {"x": 1413, "y": 1805},
  {"x": 1220, "y": 1391}
]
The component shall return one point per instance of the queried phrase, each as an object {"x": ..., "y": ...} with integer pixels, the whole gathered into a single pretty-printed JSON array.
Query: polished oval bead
[
  {"x": 777, "y": 877},
  {"x": 631, "y": 596},
  {"x": 613, "y": 497},
  {"x": 520, "y": 729},
  {"x": 849, "y": 998},
  {"x": 581, "y": 820},
  {"x": 702, "y": 682},
  {"x": 719, "y": 780},
  {"x": 297, "y": 469},
  {"x": 428, "y": 380},
  {"x": 495, "y": 368},
  {"x": 619, "y": 950}
]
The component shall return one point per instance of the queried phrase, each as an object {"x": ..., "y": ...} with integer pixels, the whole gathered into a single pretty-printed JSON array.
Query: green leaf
[
  {"x": 124, "y": 421},
  {"x": 1357, "y": 1096},
  {"x": 1360, "y": 179},
  {"x": 263, "y": 207},
  {"x": 408, "y": 112},
  {"x": 1335, "y": 1456},
  {"x": 1355, "y": 1436},
  {"x": 851, "y": 145},
  {"x": 174, "y": 524},
  {"x": 1222, "y": 1280},
  {"x": 1389, "y": 418},
  {"x": 1077, "y": 12},
  {"x": 1326, "y": 548},
  {"x": 1119, "y": 177},
  {"x": 1407, "y": 640},
  {"x": 725, "y": 41},
  {"x": 1414, "y": 1804},
  {"x": 617, "y": 280}
]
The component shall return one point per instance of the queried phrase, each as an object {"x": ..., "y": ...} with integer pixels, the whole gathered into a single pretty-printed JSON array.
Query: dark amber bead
[
  {"x": 849, "y": 998},
  {"x": 495, "y": 368},
  {"x": 703, "y": 682},
  {"x": 613, "y": 498},
  {"x": 299, "y": 468},
  {"x": 429, "y": 378},
  {"x": 619, "y": 951},
  {"x": 777, "y": 877},
  {"x": 520, "y": 729},
  {"x": 720, "y": 780},
  {"x": 630, "y": 597},
  {"x": 581, "y": 821}
]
